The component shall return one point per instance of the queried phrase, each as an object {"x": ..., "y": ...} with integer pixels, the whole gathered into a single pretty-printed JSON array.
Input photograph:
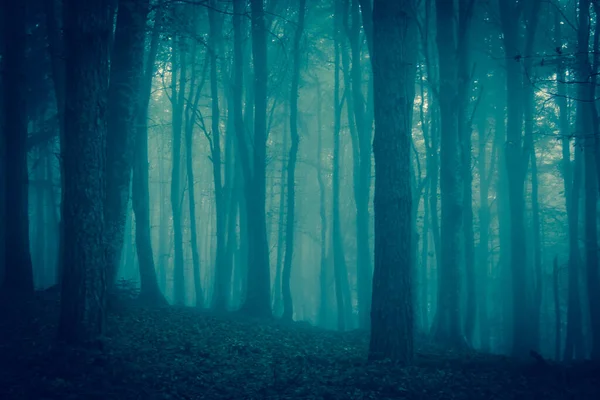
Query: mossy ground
[{"x": 182, "y": 353}]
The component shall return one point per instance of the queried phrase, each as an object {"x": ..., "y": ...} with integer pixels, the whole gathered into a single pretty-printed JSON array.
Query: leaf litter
[{"x": 184, "y": 353}]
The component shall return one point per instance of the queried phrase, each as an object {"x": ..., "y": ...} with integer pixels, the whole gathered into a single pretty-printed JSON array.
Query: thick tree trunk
[
  {"x": 258, "y": 297},
  {"x": 585, "y": 95},
  {"x": 521, "y": 305},
  {"x": 18, "y": 275},
  {"x": 288, "y": 308},
  {"x": 126, "y": 70},
  {"x": 572, "y": 185},
  {"x": 448, "y": 323},
  {"x": 394, "y": 55},
  {"x": 87, "y": 36},
  {"x": 529, "y": 154}
]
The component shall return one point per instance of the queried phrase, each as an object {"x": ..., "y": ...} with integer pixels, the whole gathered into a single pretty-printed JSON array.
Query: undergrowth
[{"x": 183, "y": 353}]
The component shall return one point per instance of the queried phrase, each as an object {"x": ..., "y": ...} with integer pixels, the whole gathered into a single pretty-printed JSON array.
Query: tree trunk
[
  {"x": 529, "y": 154},
  {"x": 258, "y": 297},
  {"x": 394, "y": 55},
  {"x": 219, "y": 300},
  {"x": 18, "y": 275},
  {"x": 87, "y": 36},
  {"x": 177, "y": 99},
  {"x": 149, "y": 287},
  {"x": 363, "y": 181},
  {"x": 465, "y": 133},
  {"x": 288, "y": 308},
  {"x": 448, "y": 323},
  {"x": 585, "y": 95},
  {"x": 521, "y": 305},
  {"x": 126, "y": 70},
  {"x": 323, "y": 303}
]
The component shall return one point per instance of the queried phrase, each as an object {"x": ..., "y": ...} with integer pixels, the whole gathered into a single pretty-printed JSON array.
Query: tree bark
[
  {"x": 258, "y": 296},
  {"x": 288, "y": 308},
  {"x": 394, "y": 57},
  {"x": 448, "y": 321},
  {"x": 179, "y": 65},
  {"x": 150, "y": 291},
  {"x": 87, "y": 37}
]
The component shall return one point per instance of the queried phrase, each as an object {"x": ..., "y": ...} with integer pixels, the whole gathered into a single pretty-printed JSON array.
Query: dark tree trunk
[
  {"x": 221, "y": 277},
  {"x": 572, "y": 184},
  {"x": 288, "y": 308},
  {"x": 465, "y": 11},
  {"x": 258, "y": 295},
  {"x": 126, "y": 70},
  {"x": 87, "y": 37},
  {"x": 179, "y": 66},
  {"x": 521, "y": 305},
  {"x": 585, "y": 95},
  {"x": 323, "y": 297},
  {"x": 149, "y": 287},
  {"x": 393, "y": 62},
  {"x": 363, "y": 161},
  {"x": 18, "y": 277},
  {"x": 343, "y": 302},
  {"x": 191, "y": 108},
  {"x": 448, "y": 321}
]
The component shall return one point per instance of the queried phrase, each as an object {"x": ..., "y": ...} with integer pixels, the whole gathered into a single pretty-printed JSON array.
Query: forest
[{"x": 316, "y": 199}]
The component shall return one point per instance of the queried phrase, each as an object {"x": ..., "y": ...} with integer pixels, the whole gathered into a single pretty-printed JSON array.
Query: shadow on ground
[{"x": 182, "y": 353}]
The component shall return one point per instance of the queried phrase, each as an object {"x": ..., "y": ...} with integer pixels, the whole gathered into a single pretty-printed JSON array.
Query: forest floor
[{"x": 182, "y": 353}]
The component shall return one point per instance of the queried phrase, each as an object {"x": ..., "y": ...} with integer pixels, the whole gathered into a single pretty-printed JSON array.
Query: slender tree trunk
[
  {"x": 149, "y": 287},
  {"x": 394, "y": 55},
  {"x": 323, "y": 303},
  {"x": 179, "y": 65},
  {"x": 465, "y": 137},
  {"x": 557, "y": 310},
  {"x": 190, "y": 120},
  {"x": 288, "y": 308},
  {"x": 484, "y": 234},
  {"x": 363, "y": 180},
  {"x": 87, "y": 36},
  {"x": 339, "y": 259},
  {"x": 219, "y": 300},
  {"x": 277, "y": 299}
]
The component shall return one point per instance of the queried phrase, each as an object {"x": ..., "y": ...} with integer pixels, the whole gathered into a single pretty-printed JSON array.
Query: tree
[
  {"x": 288, "y": 308},
  {"x": 87, "y": 30},
  {"x": 179, "y": 71},
  {"x": 140, "y": 193},
  {"x": 18, "y": 274},
  {"x": 126, "y": 69},
  {"x": 258, "y": 296},
  {"x": 393, "y": 59},
  {"x": 448, "y": 321}
]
